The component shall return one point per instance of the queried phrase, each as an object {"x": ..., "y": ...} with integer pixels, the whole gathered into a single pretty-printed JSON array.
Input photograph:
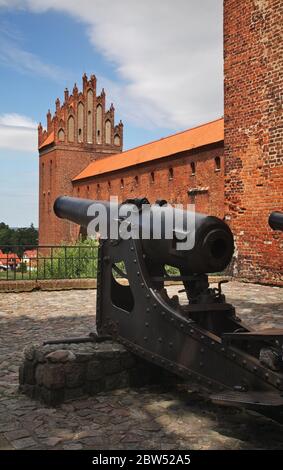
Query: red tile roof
[
  {"x": 11, "y": 257},
  {"x": 30, "y": 253},
  {"x": 209, "y": 133},
  {"x": 49, "y": 140}
]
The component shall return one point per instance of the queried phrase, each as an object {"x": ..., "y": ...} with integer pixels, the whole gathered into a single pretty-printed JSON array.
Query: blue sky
[{"x": 161, "y": 66}]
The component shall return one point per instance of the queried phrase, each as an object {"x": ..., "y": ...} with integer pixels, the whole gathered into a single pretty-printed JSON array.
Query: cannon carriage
[{"x": 203, "y": 340}]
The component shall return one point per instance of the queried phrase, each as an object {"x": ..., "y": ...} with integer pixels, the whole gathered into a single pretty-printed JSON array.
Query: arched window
[
  {"x": 122, "y": 183},
  {"x": 170, "y": 174},
  {"x": 117, "y": 140},
  {"x": 61, "y": 135},
  {"x": 89, "y": 116},
  {"x": 87, "y": 189},
  {"x": 152, "y": 177},
  {"x": 193, "y": 168},
  {"x": 71, "y": 129},
  {"x": 217, "y": 163},
  {"x": 80, "y": 122},
  {"x": 108, "y": 132},
  {"x": 136, "y": 180},
  {"x": 98, "y": 123}
]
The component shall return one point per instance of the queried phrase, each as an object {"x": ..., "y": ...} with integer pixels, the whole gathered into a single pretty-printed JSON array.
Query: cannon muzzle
[{"x": 276, "y": 221}]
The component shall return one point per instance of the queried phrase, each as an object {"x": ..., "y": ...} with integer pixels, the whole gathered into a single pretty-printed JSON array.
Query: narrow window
[
  {"x": 108, "y": 132},
  {"x": 71, "y": 129},
  {"x": 109, "y": 185},
  {"x": 171, "y": 174},
  {"x": 152, "y": 176},
  {"x": 193, "y": 168},
  {"x": 61, "y": 135},
  {"x": 117, "y": 140},
  {"x": 80, "y": 122},
  {"x": 122, "y": 183},
  {"x": 217, "y": 164},
  {"x": 136, "y": 180},
  {"x": 89, "y": 124},
  {"x": 98, "y": 123}
]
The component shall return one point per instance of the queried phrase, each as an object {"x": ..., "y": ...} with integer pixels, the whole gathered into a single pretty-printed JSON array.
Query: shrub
[{"x": 70, "y": 262}]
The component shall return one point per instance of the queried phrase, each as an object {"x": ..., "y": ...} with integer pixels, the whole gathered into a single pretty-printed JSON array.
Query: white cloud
[
  {"x": 13, "y": 56},
  {"x": 167, "y": 55},
  {"x": 18, "y": 132}
]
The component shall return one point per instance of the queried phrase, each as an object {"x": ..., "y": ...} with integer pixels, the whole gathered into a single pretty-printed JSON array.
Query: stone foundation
[{"x": 60, "y": 372}]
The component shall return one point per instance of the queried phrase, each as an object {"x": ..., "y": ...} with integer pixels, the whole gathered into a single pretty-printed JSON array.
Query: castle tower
[
  {"x": 253, "y": 67},
  {"x": 81, "y": 130}
]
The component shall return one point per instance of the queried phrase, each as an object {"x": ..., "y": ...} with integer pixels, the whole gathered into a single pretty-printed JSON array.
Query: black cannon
[
  {"x": 202, "y": 339},
  {"x": 276, "y": 221}
]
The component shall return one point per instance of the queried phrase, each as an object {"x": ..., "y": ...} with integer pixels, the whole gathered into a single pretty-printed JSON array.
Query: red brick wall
[
  {"x": 207, "y": 181},
  {"x": 254, "y": 134},
  {"x": 55, "y": 179}
]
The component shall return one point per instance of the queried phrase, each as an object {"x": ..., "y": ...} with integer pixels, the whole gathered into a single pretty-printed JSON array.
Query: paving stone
[
  {"x": 121, "y": 419},
  {"x": 24, "y": 443},
  {"x": 4, "y": 443},
  {"x": 73, "y": 446},
  {"x": 52, "y": 441},
  {"x": 18, "y": 434}
]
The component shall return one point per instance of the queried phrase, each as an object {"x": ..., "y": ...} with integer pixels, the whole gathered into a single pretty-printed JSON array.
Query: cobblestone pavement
[{"x": 139, "y": 419}]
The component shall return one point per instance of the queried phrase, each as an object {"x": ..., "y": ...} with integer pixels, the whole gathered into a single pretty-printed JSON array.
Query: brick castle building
[
  {"x": 80, "y": 131},
  {"x": 230, "y": 167}
]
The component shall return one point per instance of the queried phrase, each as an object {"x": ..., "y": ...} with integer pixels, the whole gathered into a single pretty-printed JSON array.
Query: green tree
[
  {"x": 6, "y": 234},
  {"x": 19, "y": 239}
]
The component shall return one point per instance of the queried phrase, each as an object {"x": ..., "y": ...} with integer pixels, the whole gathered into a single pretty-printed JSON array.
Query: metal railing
[{"x": 48, "y": 262}]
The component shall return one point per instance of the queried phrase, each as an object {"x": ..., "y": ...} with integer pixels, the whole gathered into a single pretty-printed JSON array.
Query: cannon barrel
[
  {"x": 276, "y": 221},
  {"x": 210, "y": 241}
]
